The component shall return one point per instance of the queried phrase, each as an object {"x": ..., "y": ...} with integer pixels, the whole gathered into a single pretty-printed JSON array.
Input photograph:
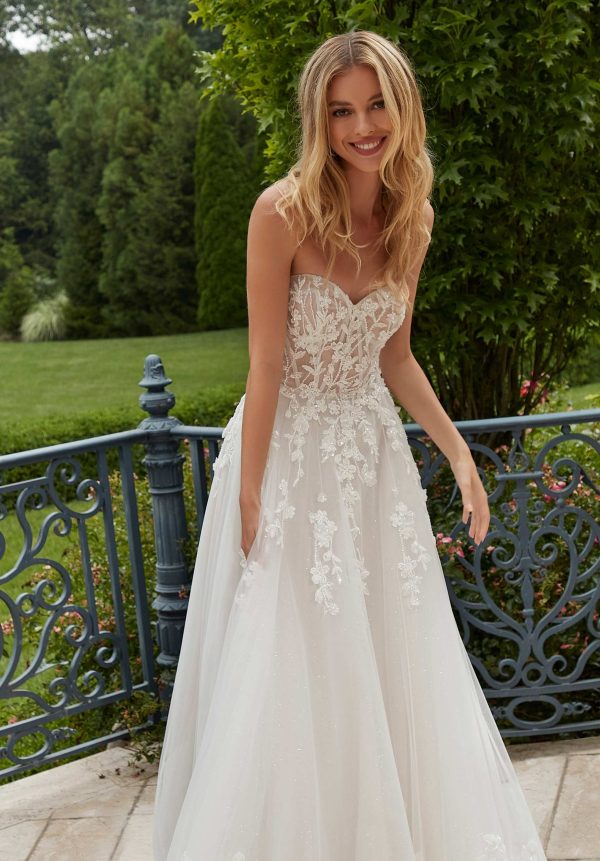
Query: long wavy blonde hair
[{"x": 315, "y": 190}]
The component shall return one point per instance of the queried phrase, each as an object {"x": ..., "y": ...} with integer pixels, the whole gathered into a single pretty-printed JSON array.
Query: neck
[{"x": 365, "y": 196}]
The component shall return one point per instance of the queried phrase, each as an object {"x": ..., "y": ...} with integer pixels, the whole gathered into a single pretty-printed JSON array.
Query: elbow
[
  {"x": 389, "y": 363},
  {"x": 265, "y": 370}
]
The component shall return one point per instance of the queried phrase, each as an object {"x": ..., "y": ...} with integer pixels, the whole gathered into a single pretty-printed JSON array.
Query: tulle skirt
[{"x": 324, "y": 707}]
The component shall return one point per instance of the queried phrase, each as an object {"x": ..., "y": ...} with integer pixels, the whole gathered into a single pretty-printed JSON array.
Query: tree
[
  {"x": 16, "y": 285},
  {"x": 225, "y": 190},
  {"x": 28, "y": 125},
  {"x": 511, "y": 284},
  {"x": 76, "y": 168},
  {"x": 149, "y": 278},
  {"x": 148, "y": 118},
  {"x": 89, "y": 28}
]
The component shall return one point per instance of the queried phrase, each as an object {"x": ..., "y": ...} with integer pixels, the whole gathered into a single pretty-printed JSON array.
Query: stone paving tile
[
  {"x": 145, "y": 802},
  {"x": 17, "y": 841},
  {"x": 540, "y": 778},
  {"x": 136, "y": 841},
  {"x": 575, "y": 832},
  {"x": 87, "y": 839},
  {"x": 100, "y": 809},
  {"x": 107, "y": 801},
  {"x": 544, "y": 748},
  {"x": 37, "y": 797}
]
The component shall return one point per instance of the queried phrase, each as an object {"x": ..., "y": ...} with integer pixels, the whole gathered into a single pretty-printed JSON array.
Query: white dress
[{"x": 325, "y": 707}]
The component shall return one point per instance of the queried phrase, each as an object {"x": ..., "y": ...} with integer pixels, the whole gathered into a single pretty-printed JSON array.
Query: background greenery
[
  {"x": 511, "y": 284},
  {"x": 101, "y": 197},
  {"x": 133, "y": 146}
]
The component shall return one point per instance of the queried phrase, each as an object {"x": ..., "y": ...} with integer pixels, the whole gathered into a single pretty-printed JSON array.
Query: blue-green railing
[{"x": 544, "y": 533}]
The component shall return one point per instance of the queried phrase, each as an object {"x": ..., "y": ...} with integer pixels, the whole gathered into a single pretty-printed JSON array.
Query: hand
[
  {"x": 474, "y": 497},
  {"x": 250, "y": 511}
]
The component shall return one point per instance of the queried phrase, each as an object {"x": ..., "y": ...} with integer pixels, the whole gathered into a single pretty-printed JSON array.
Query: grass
[{"x": 68, "y": 377}]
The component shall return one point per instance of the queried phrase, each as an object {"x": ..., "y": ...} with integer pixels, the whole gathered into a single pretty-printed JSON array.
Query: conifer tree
[{"x": 225, "y": 190}]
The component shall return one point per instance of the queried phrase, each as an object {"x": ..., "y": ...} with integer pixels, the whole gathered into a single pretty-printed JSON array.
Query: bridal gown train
[{"x": 325, "y": 707}]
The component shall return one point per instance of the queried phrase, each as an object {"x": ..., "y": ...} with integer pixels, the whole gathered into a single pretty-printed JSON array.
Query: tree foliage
[
  {"x": 16, "y": 285},
  {"x": 226, "y": 188},
  {"x": 511, "y": 285},
  {"x": 123, "y": 176}
]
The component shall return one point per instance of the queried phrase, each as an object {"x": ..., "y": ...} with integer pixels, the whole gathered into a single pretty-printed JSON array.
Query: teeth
[{"x": 368, "y": 146}]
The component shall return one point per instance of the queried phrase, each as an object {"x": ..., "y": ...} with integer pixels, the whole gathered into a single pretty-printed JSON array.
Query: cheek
[
  {"x": 336, "y": 132},
  {"x": 383, "y": 119}
]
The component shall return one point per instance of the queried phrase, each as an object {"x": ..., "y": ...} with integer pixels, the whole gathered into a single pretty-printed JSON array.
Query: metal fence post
[{"x": 165, "y": 474}]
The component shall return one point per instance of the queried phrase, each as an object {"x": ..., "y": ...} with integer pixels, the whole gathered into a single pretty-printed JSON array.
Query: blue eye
[
  {"x": 338, "y": 111},
  {"x": 382, "y": 103}
]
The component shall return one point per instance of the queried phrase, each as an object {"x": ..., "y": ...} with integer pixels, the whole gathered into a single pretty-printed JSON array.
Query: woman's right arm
[{"x": 270, "y": 251}]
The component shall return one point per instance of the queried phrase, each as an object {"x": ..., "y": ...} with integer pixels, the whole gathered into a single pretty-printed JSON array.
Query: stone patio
[{"x": 100, "y": 808}]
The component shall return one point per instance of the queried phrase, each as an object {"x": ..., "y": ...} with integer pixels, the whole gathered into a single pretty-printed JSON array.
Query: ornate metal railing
[{"x": 526, "y": 600}]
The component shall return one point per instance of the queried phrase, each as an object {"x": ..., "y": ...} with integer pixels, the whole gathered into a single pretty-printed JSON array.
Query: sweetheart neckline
[{"x": 335, "y": 284}]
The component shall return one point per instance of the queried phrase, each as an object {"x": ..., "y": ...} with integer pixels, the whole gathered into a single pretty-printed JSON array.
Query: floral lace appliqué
[
  {"x": 325, "y": 562},
  {"x": 331, "y": 373},
  {"x": 230, "y": 432},
  {"x": 414, "y": 555},
  {"x": 275, "y": 518},
  {"x": 331, "y": 377},
  {"x": 250, "y": 571},
  {"x": 494, "y": 849}
]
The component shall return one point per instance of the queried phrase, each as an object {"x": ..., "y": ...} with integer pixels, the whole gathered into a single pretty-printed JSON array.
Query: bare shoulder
[
  {"x": 266, "y": 222},
  {"x": 429, "y": 214},
  {"x": 266, "y": 200}
]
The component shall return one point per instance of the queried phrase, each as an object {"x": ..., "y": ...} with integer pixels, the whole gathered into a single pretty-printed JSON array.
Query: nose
[{"x": 364, "y": 123}]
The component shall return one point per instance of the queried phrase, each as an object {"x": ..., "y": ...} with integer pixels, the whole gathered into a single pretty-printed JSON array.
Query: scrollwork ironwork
[{"x": 530, "y": 592}]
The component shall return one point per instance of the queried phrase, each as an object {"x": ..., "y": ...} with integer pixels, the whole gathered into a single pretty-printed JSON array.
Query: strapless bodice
[{"x": 332, "y": 343}]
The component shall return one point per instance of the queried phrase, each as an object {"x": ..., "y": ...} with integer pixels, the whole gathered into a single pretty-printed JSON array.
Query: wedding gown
[{"x": 325, "y": 708}]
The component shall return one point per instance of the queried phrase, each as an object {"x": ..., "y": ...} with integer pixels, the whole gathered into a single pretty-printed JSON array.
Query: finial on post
[{"x": 156, "y": 401}]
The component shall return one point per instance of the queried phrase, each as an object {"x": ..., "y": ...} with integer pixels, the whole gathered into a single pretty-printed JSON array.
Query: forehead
[{"x": 357, "y": 82}]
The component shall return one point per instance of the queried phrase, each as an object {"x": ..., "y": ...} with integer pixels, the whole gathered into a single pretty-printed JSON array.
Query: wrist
[
  {"x": 249, "y": 498},
  {"x": 461, "y": 458}
]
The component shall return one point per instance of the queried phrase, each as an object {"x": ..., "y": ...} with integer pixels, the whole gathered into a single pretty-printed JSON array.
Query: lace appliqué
[
  {"x": 325, "y": 561},
  {"x": 250, "y": 571},
  {"x": 275, "y": 518},
  {"x": 495, "y": 850},
  {"x": 331, "y": 373},
  {"x": 230, "y": 432},
  {"x": 231, "y": 443},
  {"x": 413, "y": 552}
]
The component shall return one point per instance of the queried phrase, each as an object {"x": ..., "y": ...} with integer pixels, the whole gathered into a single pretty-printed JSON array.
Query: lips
[{"x": 369, "y": 147}]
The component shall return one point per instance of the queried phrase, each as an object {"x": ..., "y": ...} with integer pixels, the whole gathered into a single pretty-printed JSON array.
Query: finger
[{"x": 467, "y": 510}]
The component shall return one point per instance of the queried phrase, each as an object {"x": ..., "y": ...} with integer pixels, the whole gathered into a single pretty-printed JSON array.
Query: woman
[{"x": 325, "y": 708}]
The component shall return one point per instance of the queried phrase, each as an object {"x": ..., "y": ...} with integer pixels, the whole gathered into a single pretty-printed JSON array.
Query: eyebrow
[{"x": 330, "y": 104}]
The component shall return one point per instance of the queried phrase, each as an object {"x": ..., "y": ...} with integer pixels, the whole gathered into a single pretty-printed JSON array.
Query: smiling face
[{"x": 358, "y": 122}]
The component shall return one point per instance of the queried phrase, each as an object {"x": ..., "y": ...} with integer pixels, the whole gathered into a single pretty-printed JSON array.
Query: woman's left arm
[{"x": 409, "y": 384}]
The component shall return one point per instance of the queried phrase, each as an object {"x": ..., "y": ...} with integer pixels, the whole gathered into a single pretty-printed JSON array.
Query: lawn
[{"x": 67, "y": 377}]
